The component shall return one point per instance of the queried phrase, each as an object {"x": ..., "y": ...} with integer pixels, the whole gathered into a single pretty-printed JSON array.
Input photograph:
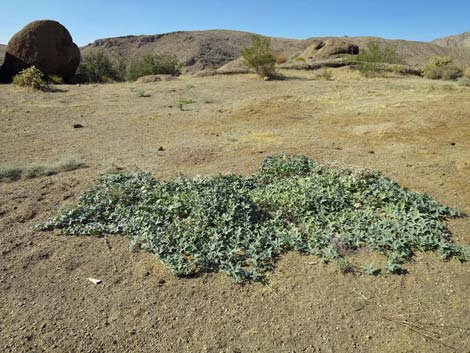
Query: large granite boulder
[
  {"x": 45, "y": 44},
  {"x": 326, "y": 49}
]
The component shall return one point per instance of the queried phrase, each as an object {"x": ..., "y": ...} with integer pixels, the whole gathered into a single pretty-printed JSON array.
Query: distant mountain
[
  {"x": 199, "y": 50},
  {"x": 456, "y": 41}
]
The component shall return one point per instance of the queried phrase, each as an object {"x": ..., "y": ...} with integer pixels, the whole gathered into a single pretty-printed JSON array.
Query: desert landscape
[{"x": 217, "y": 119}]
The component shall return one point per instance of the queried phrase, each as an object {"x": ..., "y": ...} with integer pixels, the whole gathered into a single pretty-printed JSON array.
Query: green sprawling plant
[
  {"x": 156, "y": 64},
  {"x": 260, "y": 56},
  {"x": 375, "y": 60},
  {"x": 240, "y": 225}
]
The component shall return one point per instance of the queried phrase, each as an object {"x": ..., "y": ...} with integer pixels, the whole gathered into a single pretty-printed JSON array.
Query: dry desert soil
[{"x": 413, "y": 130}]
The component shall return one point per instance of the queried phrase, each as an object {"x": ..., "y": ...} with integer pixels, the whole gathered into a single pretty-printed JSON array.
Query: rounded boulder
[{"x": 45, "y": 44}]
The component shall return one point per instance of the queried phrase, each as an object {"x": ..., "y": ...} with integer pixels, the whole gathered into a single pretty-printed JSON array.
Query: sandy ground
[{"x": 413, "y": 130}]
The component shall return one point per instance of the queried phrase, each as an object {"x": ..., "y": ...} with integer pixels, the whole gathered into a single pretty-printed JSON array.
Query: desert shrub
[
  {"x": 240, "y": 225},
  {"x": 31, "y": 78},
  {"x": 260, "y": 56},
  {"x": 156, "y": 64},
  {"x": 98, "y": 67},
  {"x": 120, "y": 69},
  {"x": 300, "y": 59},
  {"x": 441, "y": 68},
  {"x": 374, "y": 60}
]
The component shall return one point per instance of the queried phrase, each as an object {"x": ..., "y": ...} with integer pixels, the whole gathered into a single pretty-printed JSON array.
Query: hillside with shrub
[{"x": 200, "y": 50}]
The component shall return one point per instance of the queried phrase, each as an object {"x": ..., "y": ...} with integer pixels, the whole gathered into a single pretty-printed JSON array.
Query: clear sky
[{"x": 88, "y": 20}]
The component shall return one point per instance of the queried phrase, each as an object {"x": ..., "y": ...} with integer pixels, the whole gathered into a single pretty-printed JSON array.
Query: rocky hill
[
  {"x": 456, "y": 41},
  {"x": 413, "y": 53},
  {"x": 199, "y": 50}
]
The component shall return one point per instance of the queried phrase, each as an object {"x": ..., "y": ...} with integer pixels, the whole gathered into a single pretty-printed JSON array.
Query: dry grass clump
[{"x": 12, "y": 172}]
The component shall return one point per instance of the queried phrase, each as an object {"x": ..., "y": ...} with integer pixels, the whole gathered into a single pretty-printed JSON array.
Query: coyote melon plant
[{"x": 240, "y": 225}]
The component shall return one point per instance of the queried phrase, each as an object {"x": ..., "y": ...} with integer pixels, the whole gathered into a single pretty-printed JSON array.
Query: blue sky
[{"x": 88, "y": 20}]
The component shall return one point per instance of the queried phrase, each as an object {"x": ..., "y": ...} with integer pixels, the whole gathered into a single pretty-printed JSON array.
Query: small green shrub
[
  {"x": 31, "y": 78},
  {"x": 374, "y": 60},
  {"x": 300, "y": 58},
  {"x": 260, "y": 56},
  {"x": 441, "y": 68},
  {"x": 156, "y": 64},
  {"x": 241, "y": 225},
  {"x": 98, "y": 67}
]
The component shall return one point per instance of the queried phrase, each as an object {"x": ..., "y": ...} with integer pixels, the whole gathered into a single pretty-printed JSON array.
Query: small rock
[
  {"x": 452, "y": 143},
  {"x": 77, "y": 126},
  {"x": 267, "y": 78},
  {"x": 95, "y": 281},
  {"x": 161, "y": 149},
  {"x": 161, "y": 282}
]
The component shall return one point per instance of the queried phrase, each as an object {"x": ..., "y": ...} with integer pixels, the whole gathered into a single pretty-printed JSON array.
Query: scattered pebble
[
  {"x": 77, "y": 126},
  {"x": 95, "y": 281}
]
